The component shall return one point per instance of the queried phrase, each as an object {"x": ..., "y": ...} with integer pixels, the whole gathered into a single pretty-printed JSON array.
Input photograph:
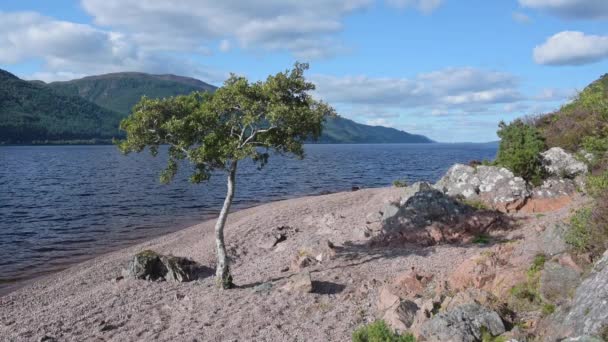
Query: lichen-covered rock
[
  {"x": 413, "y": 189},
  {"x": 149, "y": 265},
  {"x": 555, "y": 187},
  {"x": 588, "y": 314},
  {"x": 496, "y": 186},
  {"x": 558, "y": 283},
  {"x": 552, "y": 241},
  {"x": 560, "y": 163},
  {"x": 463, "y": 323}
]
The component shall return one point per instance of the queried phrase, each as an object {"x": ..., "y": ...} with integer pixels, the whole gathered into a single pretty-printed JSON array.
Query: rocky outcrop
[
  {"x": 464, "y": 323},
  {"x": 149, "y": 265},
  {"x": 558, "y": 282},
  {"x": 300, "y": 282},
  {"x": 588, "y": 311},
  {"x": 430, "y": 217},
  {"x": 561, "y": 164},
  {"x": 496, "y": 186}
]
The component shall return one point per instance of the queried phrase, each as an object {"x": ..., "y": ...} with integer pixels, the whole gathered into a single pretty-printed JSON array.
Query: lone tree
[{"x": 214, "y": 131}]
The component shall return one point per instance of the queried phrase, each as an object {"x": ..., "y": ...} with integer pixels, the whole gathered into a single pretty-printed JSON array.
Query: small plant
[
  {"x": 487, "y": 336},
  {"x": 481, "y": 239},
  {"x": 537, "y": 265},
  {"x": 475, "y": 203},
  {"x": 378, "y": 331},
  {"x": 400, "y": 183},
  {"x": 578, "y": 235},
  {"x": 548, "y": 309},
  {"x": 597, "y": 185}
]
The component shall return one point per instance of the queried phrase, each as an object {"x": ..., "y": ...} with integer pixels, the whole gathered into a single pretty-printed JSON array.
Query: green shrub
[
  {"x": 578, "y": 235},
  {"x": 597, "y": 185},
  {"x": 481, "y": 239},
  {"x": 477, "y": 204},
  {"x": 519, "y": 150},
  {"x": 378, "y": 331},
  {"x": 548, "y": 309},
  {"x": 399, "y": 183}
]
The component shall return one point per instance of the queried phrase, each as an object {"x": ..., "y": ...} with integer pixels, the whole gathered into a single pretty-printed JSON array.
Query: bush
[
  {"x": 578, "y": 235},
  {"x": 378, "y": 331},
  {"x": 597, "y": 185},
  {"x": 400, "y": 183},
  {"x": 519, "y": 150}
]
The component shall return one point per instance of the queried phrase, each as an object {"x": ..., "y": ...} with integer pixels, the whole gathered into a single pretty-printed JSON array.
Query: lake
[{"x": 63, "y": 204}]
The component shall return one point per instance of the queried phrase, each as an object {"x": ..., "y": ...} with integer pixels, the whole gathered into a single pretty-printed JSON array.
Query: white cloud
[
  {"x": 225, "y": 45},
  {"x": 571, "y": 48},
  {"x": 425, "y": 6},
  {"x": 521, "y": 18},
  {"x": 452, "y": 86},
  {"x": 305, "y": 28},
  {"x": 571, "y": 9}
]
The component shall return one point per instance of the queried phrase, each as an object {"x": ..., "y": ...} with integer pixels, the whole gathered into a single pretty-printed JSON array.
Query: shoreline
[{"x": 9, "y": 286}]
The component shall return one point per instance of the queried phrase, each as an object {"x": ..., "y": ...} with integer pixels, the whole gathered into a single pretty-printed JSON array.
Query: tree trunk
[{"x": 222, "y": 273}]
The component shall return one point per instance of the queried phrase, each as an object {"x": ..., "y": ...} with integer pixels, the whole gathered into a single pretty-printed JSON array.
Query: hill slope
[
  {"x": 117, "y": 93},
  {"x": 31, "y": 112}
]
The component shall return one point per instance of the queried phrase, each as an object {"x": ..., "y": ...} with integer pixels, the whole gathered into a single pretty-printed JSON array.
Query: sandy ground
[{"x": 85, "y": 303}]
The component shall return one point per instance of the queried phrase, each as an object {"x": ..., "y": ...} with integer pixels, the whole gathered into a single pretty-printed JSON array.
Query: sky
[{"x": 448, "y": 69}]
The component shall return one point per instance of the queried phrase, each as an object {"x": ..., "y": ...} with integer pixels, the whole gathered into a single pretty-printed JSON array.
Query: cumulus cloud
[
  {"x": 305, "y": 28},
  {"x": 571, "y": 48},
  {"x": 425, "y": 6},
  {"x": 571, "y": 9},
  {"x": 452, "y": 86}
]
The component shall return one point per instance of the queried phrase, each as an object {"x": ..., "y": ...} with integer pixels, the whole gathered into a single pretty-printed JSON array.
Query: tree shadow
[{"x": 326, "y": 287}]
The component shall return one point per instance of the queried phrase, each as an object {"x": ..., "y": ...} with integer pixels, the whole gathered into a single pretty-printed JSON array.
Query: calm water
[{"x": 64, "y": 204}]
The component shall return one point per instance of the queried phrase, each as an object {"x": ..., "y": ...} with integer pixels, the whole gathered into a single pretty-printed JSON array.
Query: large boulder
[
  {"x": 562, "y": 164},
  {"x": 149, "y": 265},
  {"x": 464, "y": 323},
  {"x": 430, "y": 217},
  {"x": 558, "y": 282},
  {"x": 496, "y": 186},
  {"x": 588, "y": 313}
]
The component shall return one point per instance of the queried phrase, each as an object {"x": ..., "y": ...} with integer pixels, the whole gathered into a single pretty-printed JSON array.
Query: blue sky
[{"x": 444, "y": 68}]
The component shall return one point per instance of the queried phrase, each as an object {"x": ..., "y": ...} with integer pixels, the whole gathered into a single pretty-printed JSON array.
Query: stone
[
  {"x": 300, "y": 262},
  {"x": 552, "y": 240},
  {"x": 412, "y": 190},
  {"x": 410, "y": 284},
  {"x": 275, "y": 236},
  {"x": 401, "y": 316},
  {"x": 558, "y": 283},
  {"x": 588, "y": 313},
  {"x": 463, "y": 323},
  {"x": 496, "y": 186},
  {"x": 430, "y": 217},
  {"x": 263, "y": 287},
  {"x": 584, "y": 338},
  {"x": 150, "y": 265},
  {"x": 300, "y": 282},
  {"x": 562, "y": 164},
  {"x": 320, "y": 249}
]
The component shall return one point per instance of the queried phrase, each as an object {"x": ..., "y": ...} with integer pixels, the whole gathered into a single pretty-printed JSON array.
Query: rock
[
  {"x": 300, "y": 262},
  {"x": 463, "y": 323},
  {"x": 300, "y": 282},
  {"x": 496, "y": 186},
  {"x": 150, "y": 265},
  {"x": 410, "y": 285},
  {"x": 412, "y": 190},
  {"x": 584, "y": 338},
  {"x": 263, "y": 287},
  {"x": 146, "y": 265},
  {"x": 552, "y": 241},
  {"x": 320, "y": 249},
  {"x": 558, "y": 283},
  {"x": 554, "y": 188},
  {"x": 401, "y": 315},
  {"x": 467, "y": 296},
  {"x": 389, "y": 211},
  {"x": 272, "y": 238},
  {"x": 430, "y": 217},
  {"x": 386, "y": 299},
  {"x": 562, "y": 164},
  {"x": 588, "y": 314}
]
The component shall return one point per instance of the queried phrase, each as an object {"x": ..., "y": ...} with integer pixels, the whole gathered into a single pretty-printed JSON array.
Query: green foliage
[
  {"x": 487, "y": 336},
  {"x": 477, "y": 204},
  {"x": 519, "y": 150},
  {"x": 578, "y": 235},
  {"x": 400, "y": 183},
  {"x": 31, "y": 112},
  {"x": 378, "y": 331},
  {"x": 537, "y": 265},
  {"x": 580, "y": 123},
  {"x": 481, "y": 239},
  {"x": 547, "y": 309},
  {"x": 240, "y": 120},
  {"x": 526, "y": 296},
  {"x": 597, "y": 185}
]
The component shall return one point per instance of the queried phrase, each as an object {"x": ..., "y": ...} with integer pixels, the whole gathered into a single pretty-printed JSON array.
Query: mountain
[
  {"x": 110, "y": 97},
  {"x": 32, "y": 112},
  {"x": 120, "y": 91}
]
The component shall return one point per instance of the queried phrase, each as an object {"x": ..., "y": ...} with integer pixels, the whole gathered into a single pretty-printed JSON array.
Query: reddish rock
[{"x": 543, "y": 205}]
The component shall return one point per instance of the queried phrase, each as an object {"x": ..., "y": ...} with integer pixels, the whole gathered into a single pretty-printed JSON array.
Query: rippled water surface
[{"x": 64, "y": 204}]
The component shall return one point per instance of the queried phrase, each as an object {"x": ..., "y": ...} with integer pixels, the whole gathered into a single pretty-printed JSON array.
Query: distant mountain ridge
[{"x": 108, "y": 98}]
